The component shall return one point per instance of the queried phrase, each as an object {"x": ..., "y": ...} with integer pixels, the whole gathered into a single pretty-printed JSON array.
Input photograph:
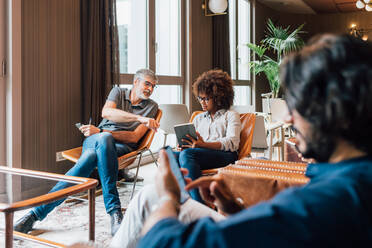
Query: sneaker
[
  {"x": 116, "y": 218},
  {"x": 128, "y": 176},
  {"x": 25, "y": 224}
]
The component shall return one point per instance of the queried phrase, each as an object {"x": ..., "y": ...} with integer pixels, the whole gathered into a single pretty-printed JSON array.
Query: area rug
[{"x": 68, "y": 223}]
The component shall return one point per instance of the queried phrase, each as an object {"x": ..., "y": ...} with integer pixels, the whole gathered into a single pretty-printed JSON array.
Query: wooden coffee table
[{"x": 21, "y": 189}]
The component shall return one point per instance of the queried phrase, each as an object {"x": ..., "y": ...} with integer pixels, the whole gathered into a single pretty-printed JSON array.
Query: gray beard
[{"x": 141, "y": 95}]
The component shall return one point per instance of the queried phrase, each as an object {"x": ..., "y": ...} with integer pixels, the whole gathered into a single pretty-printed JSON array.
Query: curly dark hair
[
  {"x": 218, "y": 86},
  {"x": 329, "y": 82}
]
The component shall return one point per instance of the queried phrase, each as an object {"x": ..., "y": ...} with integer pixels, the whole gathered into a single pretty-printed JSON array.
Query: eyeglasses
[
  {"x": 293, "y": 129},
  {"x": 149, "y": 84},
  {"x": 205, "y": 99}
]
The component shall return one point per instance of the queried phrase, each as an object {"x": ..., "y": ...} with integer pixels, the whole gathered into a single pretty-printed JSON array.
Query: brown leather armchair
[
  {"x": 246, "y": 136},
  {"x": 127, "y": 159}
]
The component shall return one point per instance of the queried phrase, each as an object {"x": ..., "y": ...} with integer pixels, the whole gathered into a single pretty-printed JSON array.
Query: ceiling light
[
  {"x": 365, "y": 4},
  {"x": 361, "y": 33},
  {"x": 360, "y": 4}
]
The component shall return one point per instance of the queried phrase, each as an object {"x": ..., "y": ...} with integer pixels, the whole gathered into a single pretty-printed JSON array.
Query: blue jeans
[
  {"x": 101, "y": 151},
  {"x": 198, "y": 159}
]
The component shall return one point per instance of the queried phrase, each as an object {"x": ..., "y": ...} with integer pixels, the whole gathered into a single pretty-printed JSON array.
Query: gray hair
[{"x": 142, "y": 73}]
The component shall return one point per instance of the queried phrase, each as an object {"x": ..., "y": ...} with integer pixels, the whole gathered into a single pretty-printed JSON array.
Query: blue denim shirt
[{"x": 333, "y": 209}]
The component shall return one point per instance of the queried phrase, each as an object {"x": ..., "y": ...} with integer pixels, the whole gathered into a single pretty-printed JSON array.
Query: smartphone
[
  {"x": 175, "y": 167},
  {"x": 78, "y": 125}
]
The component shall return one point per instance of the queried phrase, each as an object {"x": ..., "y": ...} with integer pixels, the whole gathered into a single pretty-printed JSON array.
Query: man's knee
[
  {"x": 148, "y": 194},
  {"x": 145, "y": 199},
  {"x": 88, "y": 156},
  {"x": 105, "y": 138},
  {"x": 85, "y": 165}
]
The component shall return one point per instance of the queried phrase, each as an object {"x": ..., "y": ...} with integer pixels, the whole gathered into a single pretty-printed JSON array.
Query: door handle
[{"x": 3, "y": 68}]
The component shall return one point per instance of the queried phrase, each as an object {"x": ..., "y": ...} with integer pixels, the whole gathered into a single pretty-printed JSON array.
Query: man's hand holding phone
[
  {"x": 171, "y": 177},
  {"x": 168, "y": 191},
  {"x": 214, "y": 191},
  {"x": 167, "y": 183},
  {"x": 87, "y": 130}
]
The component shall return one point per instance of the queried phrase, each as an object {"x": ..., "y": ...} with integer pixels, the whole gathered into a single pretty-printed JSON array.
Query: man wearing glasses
[{"x": 127, "y": 114}]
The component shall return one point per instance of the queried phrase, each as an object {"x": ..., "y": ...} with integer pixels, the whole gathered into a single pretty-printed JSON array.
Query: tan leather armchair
[
  {"x": 127, "y": 159},
  {"x": 246, "y": 136}
]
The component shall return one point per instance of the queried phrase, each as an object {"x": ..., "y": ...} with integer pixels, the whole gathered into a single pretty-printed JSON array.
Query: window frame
[
  {"x": 151, "y": 43},
  {"x": 240, "y": 82}
]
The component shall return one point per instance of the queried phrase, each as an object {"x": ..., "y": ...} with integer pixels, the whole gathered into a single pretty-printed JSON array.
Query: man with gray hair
[{"x": 127, "y": 114}]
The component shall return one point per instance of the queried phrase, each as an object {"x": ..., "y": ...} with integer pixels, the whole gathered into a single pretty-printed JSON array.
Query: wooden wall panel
[
  {"x": 200, "y": 48},
  {"x": 51, "y": 82},
  {"x": 2, "y": 95}
]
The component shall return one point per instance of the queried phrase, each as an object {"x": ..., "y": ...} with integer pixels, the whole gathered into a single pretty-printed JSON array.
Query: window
[
  {"x": 168, "y": 39},
  {"x": 240, "y": 34},
  {"x": 242, "y": 95},
  {"x": 151, "y": 36},
  {"x": 163, "y": 94},
  {"x": 132, "y": 27}
]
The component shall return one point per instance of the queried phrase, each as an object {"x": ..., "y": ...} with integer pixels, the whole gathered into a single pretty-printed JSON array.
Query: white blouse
[{"x": 224, "y": 128}]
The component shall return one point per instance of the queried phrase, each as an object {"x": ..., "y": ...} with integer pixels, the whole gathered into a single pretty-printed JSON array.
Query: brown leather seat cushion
[{"x": 254, "y": 180}]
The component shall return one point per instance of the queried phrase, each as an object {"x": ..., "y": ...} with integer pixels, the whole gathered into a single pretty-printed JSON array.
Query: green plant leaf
[
  {"x": 282, "y": 41},
  {"x": 259, "y": 50}
]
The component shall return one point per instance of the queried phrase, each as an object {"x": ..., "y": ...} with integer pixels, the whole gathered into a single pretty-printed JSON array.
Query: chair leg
[
  {"x": 271, "y": 145},
  {"x": 282, "y": 145},
  {"x": 153, "y": 158},
  {"x": 135, "y": 179},
  {"x": 165, "y": 139}
]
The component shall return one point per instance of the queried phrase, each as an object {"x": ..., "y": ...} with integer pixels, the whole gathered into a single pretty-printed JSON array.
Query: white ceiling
[{"x": 290, "y": 6}]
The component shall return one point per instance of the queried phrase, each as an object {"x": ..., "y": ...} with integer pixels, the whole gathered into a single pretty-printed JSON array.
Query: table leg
[
  {"x": 9, "y": 229},
  {"x": 92, "y": 213}
]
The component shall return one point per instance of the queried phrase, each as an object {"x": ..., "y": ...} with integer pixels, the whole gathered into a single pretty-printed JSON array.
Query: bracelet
[
  {"x": 100, "y": 130},
  {"x": 164, "y": 199}
]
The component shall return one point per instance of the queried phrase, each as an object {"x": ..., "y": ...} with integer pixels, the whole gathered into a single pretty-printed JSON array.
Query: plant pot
[{"x": 276, "y": 107}]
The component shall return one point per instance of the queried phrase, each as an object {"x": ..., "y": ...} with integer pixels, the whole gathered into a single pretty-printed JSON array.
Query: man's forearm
[
  {"x": 117, "y": 115},
  {"x": 123, "y": 136},
  {"x": 129, "y": 136}
]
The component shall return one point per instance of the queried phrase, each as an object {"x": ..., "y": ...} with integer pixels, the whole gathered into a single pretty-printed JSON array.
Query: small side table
[{"x": 13, "y": 199}]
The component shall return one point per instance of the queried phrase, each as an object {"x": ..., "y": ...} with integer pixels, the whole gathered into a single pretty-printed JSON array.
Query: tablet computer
[
  {"x": 182, "y": 130},
  {"x": 175, "y": 167}
]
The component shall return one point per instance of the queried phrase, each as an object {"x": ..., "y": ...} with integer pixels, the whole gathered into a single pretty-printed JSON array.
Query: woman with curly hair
[{"x": 218, "y": 127}]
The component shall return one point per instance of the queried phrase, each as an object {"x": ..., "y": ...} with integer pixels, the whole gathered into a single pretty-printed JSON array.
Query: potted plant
[{"x": 280, "y": 41}]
